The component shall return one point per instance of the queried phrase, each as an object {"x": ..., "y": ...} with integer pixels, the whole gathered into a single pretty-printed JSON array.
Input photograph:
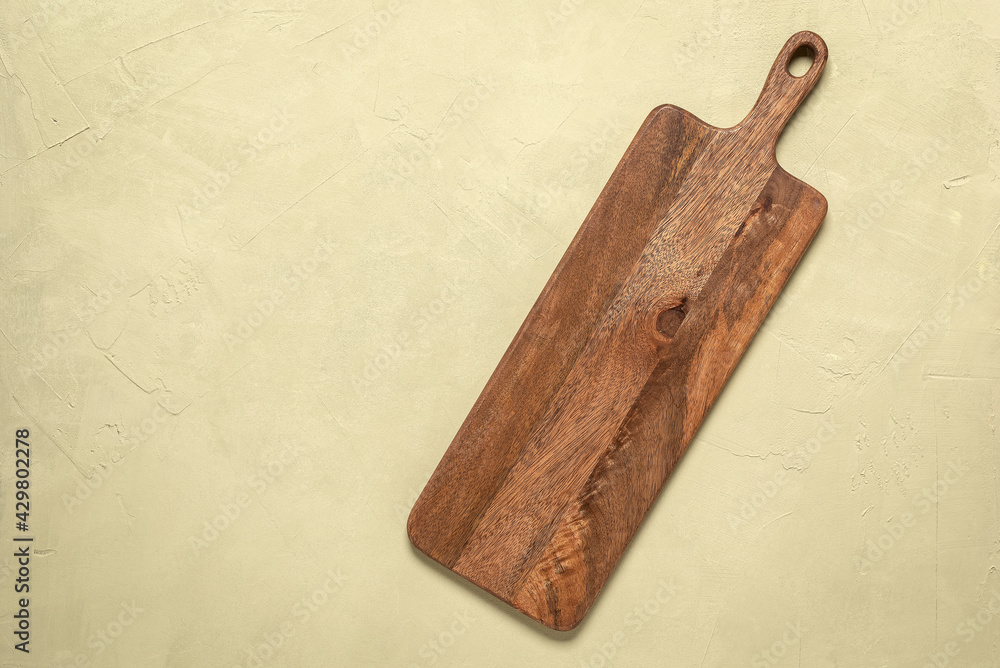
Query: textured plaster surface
[{"x": 259, "y": 258}]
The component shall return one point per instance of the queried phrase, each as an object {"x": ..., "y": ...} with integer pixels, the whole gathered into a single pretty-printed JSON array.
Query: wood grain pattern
[{"x": 626, "y": 349}]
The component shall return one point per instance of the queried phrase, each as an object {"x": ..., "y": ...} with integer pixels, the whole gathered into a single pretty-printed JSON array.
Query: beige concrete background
[{"x": 261, "y": 257}]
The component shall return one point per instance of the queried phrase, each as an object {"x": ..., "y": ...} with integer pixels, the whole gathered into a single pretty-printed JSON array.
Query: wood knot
[{"x": 670, "y": 317}]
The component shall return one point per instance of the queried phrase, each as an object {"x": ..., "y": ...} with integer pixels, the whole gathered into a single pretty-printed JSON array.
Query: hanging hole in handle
[{"x": 801, "y": 61}]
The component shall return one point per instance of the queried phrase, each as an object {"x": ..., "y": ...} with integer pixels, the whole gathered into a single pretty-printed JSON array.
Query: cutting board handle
[{"x": 783, "y": 92}]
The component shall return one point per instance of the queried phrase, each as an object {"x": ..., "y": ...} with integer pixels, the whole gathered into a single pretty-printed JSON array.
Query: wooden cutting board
[{"x": 626, "y": 349}]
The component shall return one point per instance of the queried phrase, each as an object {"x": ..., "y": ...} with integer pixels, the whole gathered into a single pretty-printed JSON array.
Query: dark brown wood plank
[
  {"x": 597, "y": 526},
  {"x": 549, "y": 341},
  {"x": 623, "y": 354}
]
